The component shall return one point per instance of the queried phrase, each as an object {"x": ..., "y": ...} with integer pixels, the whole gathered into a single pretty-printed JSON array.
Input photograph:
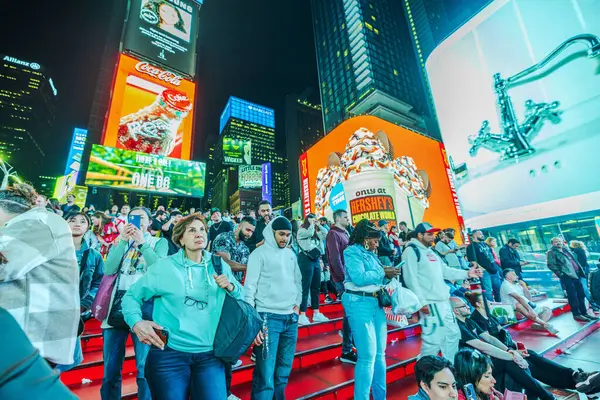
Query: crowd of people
[{"x": 162, "y": 277}]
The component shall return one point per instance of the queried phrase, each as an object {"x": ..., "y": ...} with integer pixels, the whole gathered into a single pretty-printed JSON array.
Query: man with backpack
[{"x": 424, "y": 273}]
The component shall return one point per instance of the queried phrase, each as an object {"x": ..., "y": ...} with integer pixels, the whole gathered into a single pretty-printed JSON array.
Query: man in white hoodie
[
  {"x": 274, "y": 286},
  {"x": 424, "y": 273}
]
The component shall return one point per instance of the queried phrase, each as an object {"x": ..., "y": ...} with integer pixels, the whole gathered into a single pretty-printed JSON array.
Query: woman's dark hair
[
  {"x": 180, "y": 227},
  {"x": 80, "y": 213},
  {"x": 470, "y": 365},
  {"x": 154, "y": 5},
  {"x": 364, "y": 228},
  {"x": 306, "y": 224},
  {"x": 428, "y": 366},
  {"x": 18, "y": 198},
  {"x": 295, "y": 227}
]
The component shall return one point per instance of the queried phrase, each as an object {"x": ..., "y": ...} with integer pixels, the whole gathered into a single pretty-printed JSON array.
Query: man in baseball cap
[
  {"x": 425, "y": 227},
  {"x": 424, "y": 273}
]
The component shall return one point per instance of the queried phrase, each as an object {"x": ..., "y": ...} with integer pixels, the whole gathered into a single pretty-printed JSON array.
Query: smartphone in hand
[
  {"x": 399, "y": 265},
  {"x": 135, "y": 220},
  {"x": 469, "y": 391}
]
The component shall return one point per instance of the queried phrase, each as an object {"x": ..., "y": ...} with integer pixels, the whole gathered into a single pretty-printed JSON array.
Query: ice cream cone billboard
[{"x": 379, "y": 171}]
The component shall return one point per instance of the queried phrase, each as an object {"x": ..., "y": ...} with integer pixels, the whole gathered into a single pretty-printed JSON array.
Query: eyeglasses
[
  {"x": 459, "y": 307},
  {"x": 190, "y": 301}
]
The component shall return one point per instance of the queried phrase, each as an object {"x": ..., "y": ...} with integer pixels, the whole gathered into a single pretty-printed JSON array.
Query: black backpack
[
  {"x": 238, "y": 326},
  {"x": 417, "y": 253},
  {"x": 594, "y": 285}
]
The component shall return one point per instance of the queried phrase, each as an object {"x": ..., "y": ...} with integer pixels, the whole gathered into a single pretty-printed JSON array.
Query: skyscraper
[
  {"x": 27, "y": 111},
  {"x": 430, "y": 22},
  {"x": 366, "y": 63},
  {"x": 303, "y": 129},
  {"x": 248, "y": 129}
]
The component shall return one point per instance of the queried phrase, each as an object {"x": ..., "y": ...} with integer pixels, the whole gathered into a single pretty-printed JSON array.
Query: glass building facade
[
  {"x": 27, "y": 112},
  {"x": 244, "y": 120},
  {"x": 366, "y": 62}
]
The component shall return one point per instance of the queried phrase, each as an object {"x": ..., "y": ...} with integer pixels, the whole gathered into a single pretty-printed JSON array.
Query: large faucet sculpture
[{"x": 515, "y": 140}]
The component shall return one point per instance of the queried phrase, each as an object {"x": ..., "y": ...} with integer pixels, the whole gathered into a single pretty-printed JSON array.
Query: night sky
[{"x": 258, "y": 50}]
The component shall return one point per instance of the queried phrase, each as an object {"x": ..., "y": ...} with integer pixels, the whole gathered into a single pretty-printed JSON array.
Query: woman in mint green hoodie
[{"x": 188, "y": 297}]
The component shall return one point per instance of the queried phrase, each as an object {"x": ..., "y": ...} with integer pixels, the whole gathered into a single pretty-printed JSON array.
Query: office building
[
  {"x": 252, "y": 125},
  {"x": 366, "y": 63},
  {"x": 28, "y": 99},
  {"x": 303, "y": 129},
  {"x": 245, "y": 200}
]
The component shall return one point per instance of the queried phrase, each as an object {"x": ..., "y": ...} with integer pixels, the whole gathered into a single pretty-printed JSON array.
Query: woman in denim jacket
[{"x": 364, "y": 278}]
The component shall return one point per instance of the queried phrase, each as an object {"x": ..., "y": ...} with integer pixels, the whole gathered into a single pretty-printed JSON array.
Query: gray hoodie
[{"x": 273, "y": 279}]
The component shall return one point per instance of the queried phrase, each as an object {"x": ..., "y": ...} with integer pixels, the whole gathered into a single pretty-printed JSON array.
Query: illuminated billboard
[
  {"x": 237, "y": 151},
  {"x": 164, "y": 31},
  {"x": 64, "y": 186},
  {"x": 267, "y": 182},
  {"x": 379, "y": 171},
  {"x": 521, "y": 128},
  {"x": 250, "y": 176},
  {"x": 151, "y": 110},
  {"x": 122, "y": 169},
  {"x": 76, "y": 152},
  {"x": 247, "y": 111}
]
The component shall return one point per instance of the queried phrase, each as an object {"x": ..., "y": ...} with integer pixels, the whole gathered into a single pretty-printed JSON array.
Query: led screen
[
  {"x": 151, "y": 110},
  {"x": 250, "y": 176},
  {"x": 163, "y": 31},
  {"x": 247, "y": 111},
  {"x": 118, "y": 168},
  {"x": 237, "y": 151},
  {"x": 76, "y": 152},
  {"x": 378, "y": 171},
  {"x": 525, "y": 148}
]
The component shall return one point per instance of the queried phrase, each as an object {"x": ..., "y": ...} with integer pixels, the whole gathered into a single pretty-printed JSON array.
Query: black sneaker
[
  {"x": 328, "y": 299},
  {"x": 349, "y": 358},
  {"x": 587, "y": 382},
  {"x": 592, "y": 317},
  {"x": 581, "y": 318}
]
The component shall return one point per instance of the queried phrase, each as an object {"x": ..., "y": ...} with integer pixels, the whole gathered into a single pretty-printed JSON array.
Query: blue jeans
[
  {"x": 114, "y": 356},
  {"x": 491, "y": 284},
  {"x": 175, "y": 375},
  {"x": 78, "y": 358},
  {"x": 346, "y": 331},
  {"x": 274, "y": 358},
  {"x": 369, "y": 330}
]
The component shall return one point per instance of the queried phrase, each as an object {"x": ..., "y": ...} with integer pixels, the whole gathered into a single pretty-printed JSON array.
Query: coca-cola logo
[
  {"x": 177, "y": 97},
  {"x": 158, "y": 73}
]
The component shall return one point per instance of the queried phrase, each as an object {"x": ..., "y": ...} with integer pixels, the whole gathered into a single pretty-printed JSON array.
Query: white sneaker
[
  {"x": 237, "y": 364},
  {"x": 318, "y": 317},
  {"x": 233, "y": 397},
  {"x": 550, "y": 328},
  {"x": 303, "y": 320}
]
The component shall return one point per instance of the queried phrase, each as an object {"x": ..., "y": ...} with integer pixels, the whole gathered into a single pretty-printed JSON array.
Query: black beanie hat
[{"x": 281, "y": 224}]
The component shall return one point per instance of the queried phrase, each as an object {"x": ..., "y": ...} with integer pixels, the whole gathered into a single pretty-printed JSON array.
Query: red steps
[{"x": 318, "y": 346}]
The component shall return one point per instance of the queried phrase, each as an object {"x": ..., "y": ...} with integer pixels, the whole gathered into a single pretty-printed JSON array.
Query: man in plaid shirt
[{"x": 39, "y": 274}]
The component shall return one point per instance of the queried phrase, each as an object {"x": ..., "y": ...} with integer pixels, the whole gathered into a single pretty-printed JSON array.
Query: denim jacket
[
  {"x": 90, "y": 275},
  {"x": 363, "y": 269}
]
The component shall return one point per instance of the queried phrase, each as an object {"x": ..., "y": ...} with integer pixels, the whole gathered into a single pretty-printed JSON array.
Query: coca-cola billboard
[
  {"x": 163, "y": 31},
  {"x": 151, "y": 110}
]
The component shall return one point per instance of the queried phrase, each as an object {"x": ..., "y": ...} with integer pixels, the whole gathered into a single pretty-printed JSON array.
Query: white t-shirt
[{"x": 507, "y": 289}]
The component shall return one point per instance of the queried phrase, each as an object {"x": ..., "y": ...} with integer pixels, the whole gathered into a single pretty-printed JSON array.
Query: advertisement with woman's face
[
  {"x": 521, "y": 121},
  {"x": 164, "y": 31}
]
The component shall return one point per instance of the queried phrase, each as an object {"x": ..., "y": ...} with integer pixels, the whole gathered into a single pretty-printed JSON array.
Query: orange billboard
[
  {"x": 379, "y": 171},
  {"x": 151, "y": 110}
]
